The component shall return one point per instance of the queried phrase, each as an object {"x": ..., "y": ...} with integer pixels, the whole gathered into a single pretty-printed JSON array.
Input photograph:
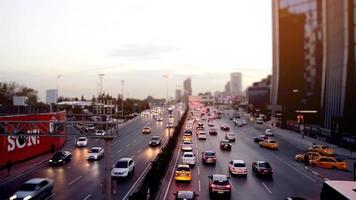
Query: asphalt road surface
[{"x": 81, "y": 179}]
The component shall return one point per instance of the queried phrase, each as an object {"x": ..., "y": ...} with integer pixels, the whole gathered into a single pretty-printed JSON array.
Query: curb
[{"x": 316, "y": 173}]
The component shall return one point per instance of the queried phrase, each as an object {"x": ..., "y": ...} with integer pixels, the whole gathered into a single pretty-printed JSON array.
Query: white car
[
  {"x": 187, "y": 145},
  {"x": 82, "y": 142},
  {"x": 237, "y": 167},
  {"x": 244, "y": 122},
  {"x": 268, "y": 132},
  {"x": 36, "y": 188},
  {"x": 95, "y": 153},
  {"x": 90, "y": 127},
  {"x": 123, "y": 168},
  {"x": 230, "y": 136},
  {"x": 99, "y": 132},
  {"x": 188, "y": 158},
  {"x": 259, "y": 121},
  {"x": 201, "y": 135}
]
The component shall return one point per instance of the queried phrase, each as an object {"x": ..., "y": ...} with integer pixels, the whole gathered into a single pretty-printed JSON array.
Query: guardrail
[{"x": 157, "y": 169}]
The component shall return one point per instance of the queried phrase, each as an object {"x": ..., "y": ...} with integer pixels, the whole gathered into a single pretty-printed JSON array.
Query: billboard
[{"x": 51, "y": 96}]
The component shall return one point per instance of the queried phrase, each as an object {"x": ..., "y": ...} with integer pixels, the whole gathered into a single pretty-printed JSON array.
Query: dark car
[
  {"x": 60, "y": 158},
  {"x": 225, "y": 145},
  {"x": 209, "y": 157},
  {"x": 260, "y": 138},
  {"x": 155, "y": 141},
  {"x": 219, "y": 184},
  {"x": 185, "y": 195},
  {"x": 225, "y": 128},
  {"x": 262, "y": 168},
  {"x": 213, "y": 131},
  {"x": 188, "y": 131}
]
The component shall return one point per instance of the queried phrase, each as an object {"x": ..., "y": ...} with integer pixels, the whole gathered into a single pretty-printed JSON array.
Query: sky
[{"x": 137, "y": 41}]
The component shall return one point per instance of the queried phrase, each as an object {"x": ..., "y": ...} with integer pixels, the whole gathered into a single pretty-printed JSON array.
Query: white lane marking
[
  {"x": 199, "y": 186},
  {"x": 119, "y": 150},
  {"x": 137, "y": 181},
  {"x": 87, "y": 197},
  {"x": 75, "y": 180},
  {"x": 264, "y": 185},
  {"x": 127, "y": 145},
  {"x": 198, "y": 171},
  {"x": 171, "y": 177},
  {"x": 49, "y": 197}
]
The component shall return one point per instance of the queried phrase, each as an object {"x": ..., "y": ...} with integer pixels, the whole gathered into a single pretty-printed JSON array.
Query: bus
[{"x": 338, "y": 190}]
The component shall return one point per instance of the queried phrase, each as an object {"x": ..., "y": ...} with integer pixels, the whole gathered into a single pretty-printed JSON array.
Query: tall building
[
  {"x": 236, "y": 83},
  {"x": 297, "y": 59},
  {"x": 179, "y": 95},
  {"x": 314, "y": 62},
  {"x": 227, "y": 87},
  {"x": 258, "y": 94},
  {"x": 187, "y": 87}
]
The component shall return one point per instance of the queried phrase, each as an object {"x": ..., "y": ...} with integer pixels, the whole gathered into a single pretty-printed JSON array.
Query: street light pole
[{"x": 122, "y": 96}]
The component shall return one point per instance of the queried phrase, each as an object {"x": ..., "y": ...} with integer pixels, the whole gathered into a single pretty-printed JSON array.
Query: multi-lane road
[
  {"x": 81, "y": 179},
  {"x": 290, "y": 178}
]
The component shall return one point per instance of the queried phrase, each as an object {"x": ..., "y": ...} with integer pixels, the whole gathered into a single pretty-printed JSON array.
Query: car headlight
[
  {"x": 13, "y": 197},
  {"x": 49, "y": 161},
  {"x": 60, "y": 160},
  {"x": 150, "y": 142},
  {"x": 96, "y": 156},
  {"x": 27, "y": 197}
]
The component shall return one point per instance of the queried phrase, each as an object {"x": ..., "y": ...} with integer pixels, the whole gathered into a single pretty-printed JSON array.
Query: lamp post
[{"x": 122, "y": 96}]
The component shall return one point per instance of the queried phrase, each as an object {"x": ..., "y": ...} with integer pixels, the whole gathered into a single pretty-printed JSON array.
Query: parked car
[
  {"x": 323, "y": 149},
  {"x": 82, "y": 142},
  {"x": 329, "y": 163},
  {"x": 123, "y": 168},
  {"x": 238, "y": 167},
  {"x": 225, "y": 145},
  {"x": 209, "y": 157},
  {"x": 95, "y": 153},
  {"x": 262, "y": 168},
  {"x": 60, "y": 158},
  {"x": 35, "y": 188},
  {"x": 219, "y": 184}
]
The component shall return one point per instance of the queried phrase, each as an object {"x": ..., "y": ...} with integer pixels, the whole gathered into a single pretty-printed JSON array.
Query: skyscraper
[
  {"x": 187, "y": 86},
  {"x": 178, "y": 95},
  {"x": 236, "y": 83}
]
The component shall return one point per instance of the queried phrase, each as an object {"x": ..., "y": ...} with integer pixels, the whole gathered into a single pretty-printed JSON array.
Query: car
[
  {"x": 169, "y": 125},
  {"x": 213, "y": 131},
  {"x": 188, "y": 158},
  {"x": 259, "y": 121},
  {"x": 224, "y": 128},
  {"x": 185, "y": 195},
  {"x": 323, "y": 149},
  {"x": 100, "y": 132},
  {"x": 187, "y": 145},
  {"x": 146, "y": 130},
  {"x": 219, "y": 184},
  {"x": 230, "y": 136},
  {"x": 60, "y": 158},
  {"x": 187, "y": 136},
  {"x": 211, "y": 124},
  {"x": 268, "y": 132},
  {"x": 199, "y": 129},
  {"x": 155, "y": 141},
  {"x": 209, "y": 157},
  {"x": 188, "y": 131},
  {"x": 90, "y": 127},
  {"x": 225, "y": 145},
  {"x": 35, "y": 188},
  {"x": 312, "y": 155},
  {"x": 123, "y": 168},
  {"x": 201, "y": 135},
  {"x": 329, "y": 163},
  {"x": 183, "y": 173},
  {"x": 244, "y": 122},
  {"x": 82, "y": 142},
  {"x": 238, "y": 167},
  {"x": 200, "y": 124},
  {"x": 269, "y": 144},
  {"x": 260, "y": 138},
  {"x": 95, "y": 153},
  {"x": 159, "y": 118},
  {"x": 238, "y": 122},
  {"x": 262, "y": 168}
]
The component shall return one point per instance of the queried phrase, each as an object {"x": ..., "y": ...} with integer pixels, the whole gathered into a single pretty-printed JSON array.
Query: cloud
[{"x": 141, "y": 52}]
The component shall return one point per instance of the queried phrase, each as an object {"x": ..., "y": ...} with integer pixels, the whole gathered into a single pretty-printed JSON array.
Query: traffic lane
[{"x": 287, "y": 180}]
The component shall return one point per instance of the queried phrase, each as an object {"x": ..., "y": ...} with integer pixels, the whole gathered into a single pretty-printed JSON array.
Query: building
[
  {"x": 206, "y": 98},
  {"x": 314, "y": 71},
  {"x": 227, "y": 87},
  {"x": 258, "y": 95},
  {"x": 236, "y": 83},
  {"x": 179, "y": 95},
  {"x": 187, "y": 87},
  {"x": 297, "y": 59}
]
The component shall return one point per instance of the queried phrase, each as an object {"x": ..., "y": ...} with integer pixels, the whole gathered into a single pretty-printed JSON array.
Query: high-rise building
[
  {"x": 227, "y": 87},
  {"x": 187, "y": 87},
  {"x": 179, "y": 95},
  {"x": 236, "y": 83}
]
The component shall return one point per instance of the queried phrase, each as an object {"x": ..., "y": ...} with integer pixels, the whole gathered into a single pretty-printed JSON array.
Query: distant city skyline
[{"x": 136, "y": 41}]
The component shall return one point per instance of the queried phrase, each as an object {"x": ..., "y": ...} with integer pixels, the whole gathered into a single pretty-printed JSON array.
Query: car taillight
[{"x": 177, "y": 174}]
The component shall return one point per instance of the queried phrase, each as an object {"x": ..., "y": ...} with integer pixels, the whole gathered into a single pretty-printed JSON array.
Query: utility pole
[{"x": 122, "y": 96}]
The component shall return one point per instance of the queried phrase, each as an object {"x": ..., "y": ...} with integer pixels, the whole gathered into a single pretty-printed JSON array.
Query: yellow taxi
[
  {"x": 183, "y": 173},
  {"x": 329, "y": 162},
  {"x": 312, "y": 155},
  {"x": 187, "y": 136},
  {"x": 322, "y": 149},
  {"x": 269, "y": 144}
]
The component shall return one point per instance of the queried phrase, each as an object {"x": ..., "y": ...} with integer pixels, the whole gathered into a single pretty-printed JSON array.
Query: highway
[
  {"x": 81, "y": 179},
  {"x": 290, "y": 178}
]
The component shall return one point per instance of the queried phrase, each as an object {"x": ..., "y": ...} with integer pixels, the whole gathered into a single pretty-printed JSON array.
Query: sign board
[
  {"x": 19, "y": 101},
  {"x": 51, "y": 96}
]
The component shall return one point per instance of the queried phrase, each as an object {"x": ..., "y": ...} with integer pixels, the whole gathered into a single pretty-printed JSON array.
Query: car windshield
[
  {"x": 209, "y": 153},
  {"x": 265, "y": 165},
  {"x": 224, "y": 141},
  {"x": 82, "y": 139},
  {"x": 239, "y": 165},
  {"x": 188, "y": 155},
  {"x": 94, "y": 150},
  {"x": 187, "y": 142},
  {"x": 272, "y": 142},
  {"x": 58, "y": 154},
  {"x": 184, "y": 169},
  {"x": 27, "y": 187},
  {"x": 121, "y": 164},
  {"x": 155, "y": 138},
  {"x": 231, "y": 134}
]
